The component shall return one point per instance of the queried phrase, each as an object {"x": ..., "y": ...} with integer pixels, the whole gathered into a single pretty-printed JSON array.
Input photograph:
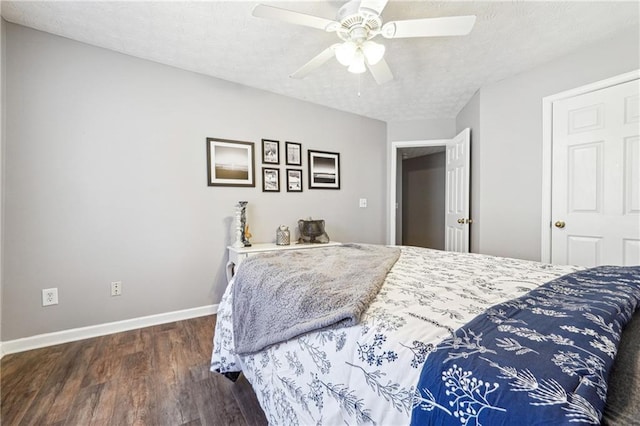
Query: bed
[{"x": 375, "y": 370}]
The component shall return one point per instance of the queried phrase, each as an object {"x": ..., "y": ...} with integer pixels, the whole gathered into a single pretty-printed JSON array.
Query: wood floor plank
[
  {"x": 106, "y": 364},
  {"x": 133, "y": 402},
  {"x": 248, "y": 403},
  {"x": 84, "y": 406},
  {"x": 104, "y": 410},
  {"x": 43, "y": 408},
  {"x": 76, "y": 366},
  {"x": 153, "y": 376},
  {"x": 19, "y": 390},
  {"x": 216, "y": 404}
]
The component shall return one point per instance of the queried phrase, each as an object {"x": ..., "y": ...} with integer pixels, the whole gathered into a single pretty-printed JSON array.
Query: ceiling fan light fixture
[
  {"x": 345, "y": 52},
  {"x": 373, "y": 51},
  {"x": 356, "y": 24},
  {"x": 357, "y": 64}
]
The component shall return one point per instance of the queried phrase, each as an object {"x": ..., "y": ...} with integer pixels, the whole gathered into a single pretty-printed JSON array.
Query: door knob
[
  {"x": 559, "y": 224},
  {"x": 461, "y": 221}
]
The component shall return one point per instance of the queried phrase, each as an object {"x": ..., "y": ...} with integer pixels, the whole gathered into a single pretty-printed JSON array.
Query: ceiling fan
[{"x": 356, "y": 24}]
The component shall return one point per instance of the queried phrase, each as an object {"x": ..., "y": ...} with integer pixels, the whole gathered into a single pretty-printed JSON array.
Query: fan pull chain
[{"x": 359, "y": 83}]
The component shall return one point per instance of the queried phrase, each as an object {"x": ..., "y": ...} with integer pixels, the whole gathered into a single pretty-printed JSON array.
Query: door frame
[
  {"x": 547, "y": 150},
  {"x": 392, "y": 178}
]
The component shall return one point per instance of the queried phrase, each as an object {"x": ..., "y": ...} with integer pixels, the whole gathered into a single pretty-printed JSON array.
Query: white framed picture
[
  {"x": 230, "y": 163},
  {"x": 324, "y": 170}
]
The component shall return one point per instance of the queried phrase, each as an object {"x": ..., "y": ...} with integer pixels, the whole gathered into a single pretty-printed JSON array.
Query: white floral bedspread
[{"x": 368, "y": 373}]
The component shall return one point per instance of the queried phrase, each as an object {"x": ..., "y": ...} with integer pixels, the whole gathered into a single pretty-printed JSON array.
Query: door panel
[
  {"x": 632, "y": 176},
  {"x": 596, "y": 178},
  {"x": 632, "y": 109},
  {"x": 585, "y": 177},
  {"x": 586, "y": 119},
  {"x": 630, "y": 251},
  {"x": 582, "y": 250}
]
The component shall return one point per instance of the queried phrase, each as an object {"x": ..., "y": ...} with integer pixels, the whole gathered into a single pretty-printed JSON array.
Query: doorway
[
  {"x": 456, "y": 189},
  {"x": 422, "y": 205}
]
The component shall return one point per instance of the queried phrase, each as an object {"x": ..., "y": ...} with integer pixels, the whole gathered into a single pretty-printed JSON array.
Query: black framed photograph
[
  {"x": 294, "y": 180},
  {"x": 270, "y": 151},
  {"x": 230, "y": 163},
  {"x": 324, "y": 170},
  {"x": 294, "y": 153},
  {"x": 270, "y": 180}
]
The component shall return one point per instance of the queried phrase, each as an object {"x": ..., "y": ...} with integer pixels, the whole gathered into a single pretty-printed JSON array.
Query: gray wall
[
  {"x": 507, "y": 162},
  {"x": 420, "y": 130},
  {"x": 423, "y": 183},
  {"x": 105, "y": 179}
]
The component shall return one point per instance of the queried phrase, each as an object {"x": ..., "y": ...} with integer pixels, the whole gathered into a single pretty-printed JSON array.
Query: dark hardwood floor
[{"x": 152, "y": 376}]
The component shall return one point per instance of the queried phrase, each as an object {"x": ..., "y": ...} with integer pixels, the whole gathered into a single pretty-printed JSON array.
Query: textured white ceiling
[{"x": 434, "y": 77}]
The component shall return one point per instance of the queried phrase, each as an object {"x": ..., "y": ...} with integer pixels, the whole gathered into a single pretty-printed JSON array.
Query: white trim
[
  {"x": 393, "y": 169},
  {"x": 547, "y": 155},
  {"x": 65, "y": 336}
]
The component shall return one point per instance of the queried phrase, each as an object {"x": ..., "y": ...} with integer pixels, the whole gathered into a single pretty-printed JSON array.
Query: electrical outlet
[
  {"x": 116, "y": 288},
  {"x": 49, "y": 296},
  {"x": 363, "y": 203}
]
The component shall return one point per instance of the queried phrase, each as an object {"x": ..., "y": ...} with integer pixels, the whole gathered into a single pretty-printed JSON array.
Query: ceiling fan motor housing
[{"x": 357, "y": 24}]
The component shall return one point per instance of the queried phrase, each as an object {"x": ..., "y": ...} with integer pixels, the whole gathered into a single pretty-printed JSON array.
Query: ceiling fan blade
[
  {"x": 376, "y": 6},
  {"x": 314, "y": 63},
  {"x": 285, "y": 15},
  {"x": 429, "y": 27},
  {"x": 381, "y": 72}
]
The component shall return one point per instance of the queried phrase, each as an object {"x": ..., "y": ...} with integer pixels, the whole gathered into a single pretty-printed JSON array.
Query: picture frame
[
  {"x": 230, "y": 163},
  {"x": 324, "y": 169},
  {"x": 294, "y": 180},
  {"x": 270, "y": 151},
  {"x": 270, "y": 179},
  {"x": 293, "y": 152}
]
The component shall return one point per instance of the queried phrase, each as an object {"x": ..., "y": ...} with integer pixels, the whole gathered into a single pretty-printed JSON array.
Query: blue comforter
[{"x": 541, "y": 359}]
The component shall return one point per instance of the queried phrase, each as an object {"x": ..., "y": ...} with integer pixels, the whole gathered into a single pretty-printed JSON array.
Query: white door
[
  {"x": 457, "y": 219},
  {"x": 595, "y": 200}
]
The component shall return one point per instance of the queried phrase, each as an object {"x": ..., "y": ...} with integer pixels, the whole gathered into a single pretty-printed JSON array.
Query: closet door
[{"x": 596, "y": 178}]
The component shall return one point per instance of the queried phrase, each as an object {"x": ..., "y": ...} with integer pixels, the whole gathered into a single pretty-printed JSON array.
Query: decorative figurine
[
  {"x": 243, "y": 222},
  {"x": 247, "y": 235},
  {"x": 238, "y": 226}
]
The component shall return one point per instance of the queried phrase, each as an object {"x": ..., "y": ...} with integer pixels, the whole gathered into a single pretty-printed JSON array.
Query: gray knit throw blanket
[{"x": 283, "y": 294}]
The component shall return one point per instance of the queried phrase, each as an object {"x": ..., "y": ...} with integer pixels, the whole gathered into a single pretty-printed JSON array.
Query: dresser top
[{"x": 258, "y": 247}]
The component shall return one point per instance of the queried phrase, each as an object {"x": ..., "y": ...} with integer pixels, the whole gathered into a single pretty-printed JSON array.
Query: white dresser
[{"x": 237, "y": 255}]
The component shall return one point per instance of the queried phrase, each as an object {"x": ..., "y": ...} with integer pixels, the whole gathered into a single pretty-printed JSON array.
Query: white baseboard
[{"x": 65, "y": 336}]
